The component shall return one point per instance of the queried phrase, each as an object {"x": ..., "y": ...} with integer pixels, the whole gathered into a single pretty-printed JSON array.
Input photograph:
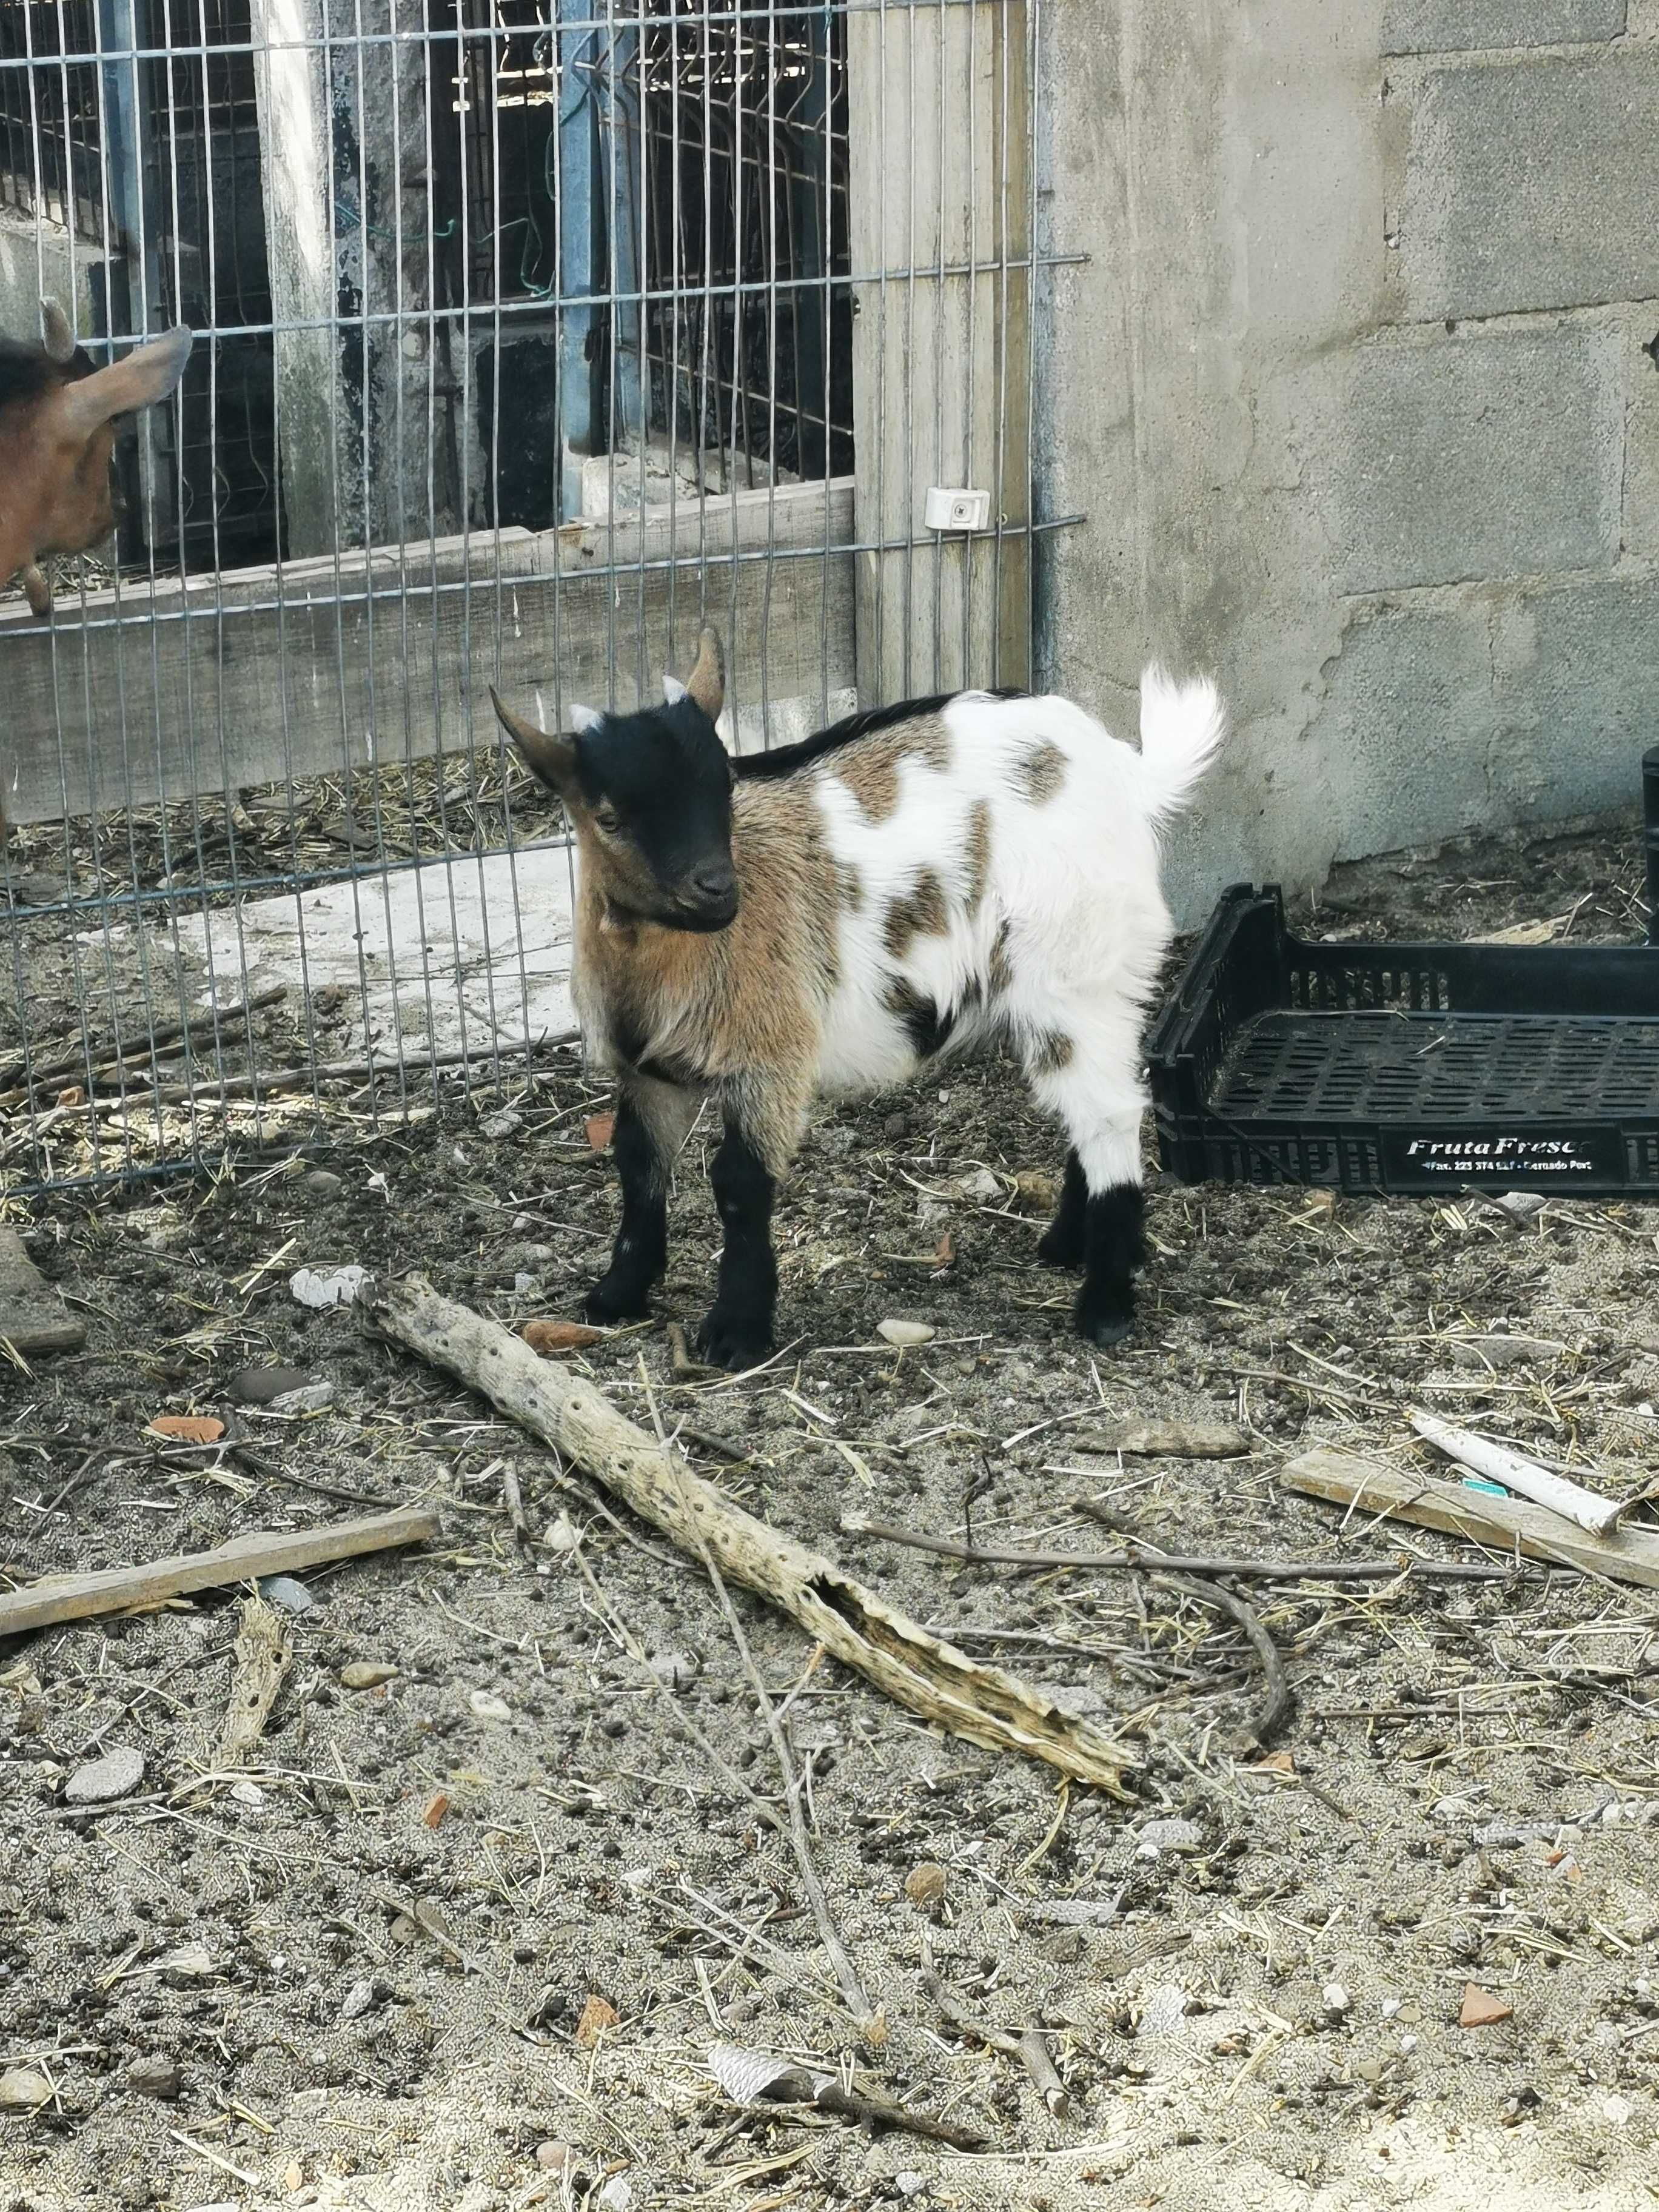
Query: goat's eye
[{"x": 607, "y": 819}]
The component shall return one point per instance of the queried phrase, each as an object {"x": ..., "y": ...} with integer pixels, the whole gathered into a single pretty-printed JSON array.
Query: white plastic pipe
[{"x": 1599, "y": 1515}]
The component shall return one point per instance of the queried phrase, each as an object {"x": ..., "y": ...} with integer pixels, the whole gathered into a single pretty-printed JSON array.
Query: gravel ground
[{"x": 358, "y": 1967}]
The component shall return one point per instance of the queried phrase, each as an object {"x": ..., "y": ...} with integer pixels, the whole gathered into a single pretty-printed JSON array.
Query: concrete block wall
[{"x": 1359, "y": 390}]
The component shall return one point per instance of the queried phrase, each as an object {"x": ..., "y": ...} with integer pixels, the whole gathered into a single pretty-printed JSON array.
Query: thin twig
[
  {"x": 1278, "y": 1702},
  {"x": 1140, "y": 1559},
  {"x": 1031, "y": 2049}
]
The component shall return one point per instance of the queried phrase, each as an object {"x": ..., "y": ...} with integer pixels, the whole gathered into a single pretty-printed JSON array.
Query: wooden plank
[
  {"x": 221, "y": 682},
  {"x": 242, "y": 1559},
  {"x": 939, "y": 97},
  {"x": 1501, "y": 1524}
]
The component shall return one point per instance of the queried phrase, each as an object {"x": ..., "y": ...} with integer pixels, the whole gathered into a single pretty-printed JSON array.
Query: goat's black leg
[
  {"x": 1114, "y": 1246},
  {"x": 737, "y": 1332},
  {"x": 1062, "y": 1243},
  {"x": 651, "y": 1123}
]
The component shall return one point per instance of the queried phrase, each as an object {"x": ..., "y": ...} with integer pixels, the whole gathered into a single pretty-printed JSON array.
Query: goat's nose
[{"x": 716, "y": 881}]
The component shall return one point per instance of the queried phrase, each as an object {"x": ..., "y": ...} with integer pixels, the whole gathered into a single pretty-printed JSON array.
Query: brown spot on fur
[
  {"x": 921, "y": 912},
  {"x": 869, "y": 767},
  {"x": 1040, "y": 774},
  {"x": 979, "y": 853},
  {"x": 850, "y": 886},
  {"x": 1047, "y": 1054},
  {"x": 998, "y": 967}
]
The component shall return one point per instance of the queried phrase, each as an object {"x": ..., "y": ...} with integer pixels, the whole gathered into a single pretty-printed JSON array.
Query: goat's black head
[{"x": 650, "y": 796}]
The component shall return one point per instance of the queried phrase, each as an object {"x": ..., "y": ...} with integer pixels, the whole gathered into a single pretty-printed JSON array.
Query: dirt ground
[{"x": 281, "y": 1984}]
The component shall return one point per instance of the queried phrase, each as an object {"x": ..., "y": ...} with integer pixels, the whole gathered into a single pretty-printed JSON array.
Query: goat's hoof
[
  {"x": 1059, "y": 1248},
  {"x": 1104, "y": 1321},
  {"x": 733, "y": 1340},
  {"x": 610, "y": 1300}
]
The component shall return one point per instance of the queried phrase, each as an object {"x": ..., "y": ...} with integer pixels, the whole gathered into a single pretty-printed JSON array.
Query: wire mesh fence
[{"x": 530, "y": 334}]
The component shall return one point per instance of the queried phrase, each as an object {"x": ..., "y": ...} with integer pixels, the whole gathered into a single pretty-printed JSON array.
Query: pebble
[
  {"x": 1168, "y": 1836},
  {"x": 1617, "y": 2110},
  {"x": 358, "y": 1999},
  {"x": 617, "y": 2194},
  {"x": 902, "y": 1333},
  {"x": 1334, "y": 1997},
  {"x": 1453, "y": 1808},
  {"x": 287, "y": 1594},
  {"x": 1163, "y": 2010},
  {"x": 925, "y": 1884},
  {"x": 23, "y": 2090},
  {"x": 487, "y": 1706},
  {"x": 257, "y": 1386},
  {"x": 322, "y": 1182},
  {"x": 117, "y": 1774},
  {"x": 366, "y": 1675},
  {"x": 309, "y": 1398},
  {"x": 506, "y": 1123},
  {"x": 982, "y": 1188},
  {"x": 554, "y": 2157},
  {"x": 910, "y": 2182},
  {"x": 155, "y": 2077}
]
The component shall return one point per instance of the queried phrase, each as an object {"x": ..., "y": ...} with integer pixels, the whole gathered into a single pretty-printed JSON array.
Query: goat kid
[
  {"x": 833, "y": 916},
  {"x": 57, "y": 417}
]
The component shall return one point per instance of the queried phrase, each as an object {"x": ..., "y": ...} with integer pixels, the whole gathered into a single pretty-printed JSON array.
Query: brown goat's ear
[
  {"x": 55, "y": 330},
  {"x": 551, "y": 759},
  {"x": 706, "y": 682},
  {"x": 144, "y": 377}
]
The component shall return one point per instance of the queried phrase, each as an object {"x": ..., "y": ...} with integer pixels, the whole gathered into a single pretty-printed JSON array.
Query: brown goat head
[{"x": 57, "y": 417}]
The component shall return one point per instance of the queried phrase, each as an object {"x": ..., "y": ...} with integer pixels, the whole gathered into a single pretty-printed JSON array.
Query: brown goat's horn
[
  {"x": 706, "y": 682},
  {"x": 55, "y": 330}
]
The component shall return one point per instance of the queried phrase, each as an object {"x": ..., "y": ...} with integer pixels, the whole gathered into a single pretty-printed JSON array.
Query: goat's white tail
[{"x": 1181, "y": 727}]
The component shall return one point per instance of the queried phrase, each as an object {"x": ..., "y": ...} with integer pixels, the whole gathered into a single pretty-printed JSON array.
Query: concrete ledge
[{"x": 1431, "y": 27}]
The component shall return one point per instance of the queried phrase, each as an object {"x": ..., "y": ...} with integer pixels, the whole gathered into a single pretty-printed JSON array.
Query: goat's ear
[
  {"x": 55, "y": 330},
  {"x": 673, "y": 692},
  {"x": 587, "y": 719},
  {"x": 553, "y": 760},
  {"x": 706, "y": 682},
  {"x": 144, "y": 378}
]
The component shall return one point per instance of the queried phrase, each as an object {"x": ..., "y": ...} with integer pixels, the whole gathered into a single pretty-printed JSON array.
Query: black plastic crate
[{"x": 1412, "y": 1067}]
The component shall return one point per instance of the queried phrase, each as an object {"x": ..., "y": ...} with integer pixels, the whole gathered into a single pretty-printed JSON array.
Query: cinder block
[
  {"x": 1475, "y": 457},
  {"x": 1641, "y": 523},
  {"x": 1432, "y": 26},
  {"x": 1533, "y": 186},
  {"x": 1589, "y": 695}
]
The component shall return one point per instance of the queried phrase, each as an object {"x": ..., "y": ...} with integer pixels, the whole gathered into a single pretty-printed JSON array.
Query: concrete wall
[{"x": 1358, "y": 391}]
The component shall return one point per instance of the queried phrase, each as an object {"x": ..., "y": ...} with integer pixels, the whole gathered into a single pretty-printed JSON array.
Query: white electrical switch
[{"x": 956, "y": 510}]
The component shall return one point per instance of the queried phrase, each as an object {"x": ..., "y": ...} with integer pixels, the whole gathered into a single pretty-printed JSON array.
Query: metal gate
[{"x": 531, "y": 333}]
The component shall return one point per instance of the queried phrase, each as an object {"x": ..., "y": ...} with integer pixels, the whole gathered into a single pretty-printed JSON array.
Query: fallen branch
[
  {"x": 1140, "y": 1559},
  {"x": 1599, "y": 1517},
  {"x": 243, "y": 1559},
  {"x": 1278, "y": 1702},
  {"x": 1031, "y": 2048},
  {"x": 21, "y": 1077},
  {"x": 1510, "y": 1524},
  {"x": 928, "y": 1677},
  {"x": 264, "y": 1652},
  {"x": 1165, "y": 1440}
]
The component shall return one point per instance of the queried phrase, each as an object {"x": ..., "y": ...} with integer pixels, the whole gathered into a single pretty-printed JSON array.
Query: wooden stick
[
  {"x": 111, "y": 1056},
  {"x": 1165, "y": 1440},
  {"x": 243, "y": 1559},
  {"x": 1508, "y": 1525},
  {"x": 1031, "y": 2049},
  {"x": 1141, "y": 1558},
  {"x": 1599, "y": 1517},
  {"x": 1278, "y": 1701},
  {"x": 855, "y": 1625}
]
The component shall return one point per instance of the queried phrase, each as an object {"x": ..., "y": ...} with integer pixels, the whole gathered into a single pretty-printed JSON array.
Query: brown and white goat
[
  {"x": 832, "y": 916},
  {"x": 57, "y": 417}
]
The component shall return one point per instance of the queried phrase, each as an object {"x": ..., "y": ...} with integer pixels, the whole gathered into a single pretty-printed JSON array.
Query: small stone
[
  {"x": 554, "y": 2157},
  {"x": 339, "y": 1287},
  {"x": 322, "y": 1182},
  {"x": 677, "y": 1668},
  {"x": 925, "y": 1885},
  {"x": 1336, "y": 1998},
  {"x": 1520, "y": 1206},
  {"x": 287, "y": 1594},
  {"x": 309, "y": 1398},
  {"x": 358, "y": 1999},
  {"x": 910, "y": 2182},
  {"x": 1480, "y": 2008},
  {"x": 1159, "y": 1836},
  {"x": 487, "y": 1706},
  {"x": 155, "y": 2077},
  {"x": 561, "y": 1535},
  {"x": 1164, "y": 2011},
  {"x": 23, "y": 2090},
  {"x": 981, "y": 1187},
  {"x": 249, "y": 1794},
  {"x": 599, "y": 1129},
  {"x": 187, "y": 1428},
  {"x": 366, "y": 1675},
  {"x": 117, "y": 1774},
  {"x": 506, "y": 1123},
  {"x": 1616, "y": 2110},
  {"x": 1390, "y": 2007},
  {"x": 616, "y": 2195},
  {"x": 257, "y": 1386},
  {"x": 550, "y": 1337},
  {"x": 597, "y": 2015},
  {"x": 1453, "y": 1812},
  {"x": 904, "y": 1333}
]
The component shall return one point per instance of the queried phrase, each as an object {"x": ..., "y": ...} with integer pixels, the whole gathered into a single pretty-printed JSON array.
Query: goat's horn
[
  {"x": 706, "y": 682},
  {"x": 55, "y": 329}
]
